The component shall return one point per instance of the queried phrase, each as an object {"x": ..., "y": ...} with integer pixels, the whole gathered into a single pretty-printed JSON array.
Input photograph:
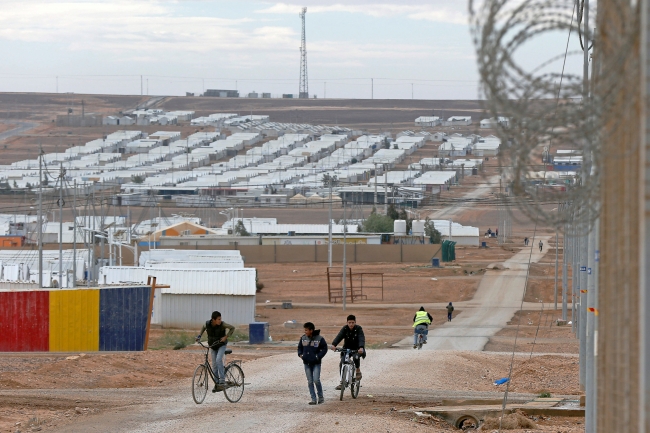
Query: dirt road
[
  {"x": 18, "y": 130},
  {"x": 276, "y": 400},
  {"x": 496, "y": 301},
  {"x": 480, "y": 191}
]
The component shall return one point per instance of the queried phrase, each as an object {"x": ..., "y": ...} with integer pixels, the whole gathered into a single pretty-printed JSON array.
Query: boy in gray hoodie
[{"x": 311, "y": 349}]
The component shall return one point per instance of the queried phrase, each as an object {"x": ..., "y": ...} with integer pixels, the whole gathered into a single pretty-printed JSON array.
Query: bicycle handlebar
[
  {"x": 346, "y": 350},
  {"x": 213, "y": 346}
]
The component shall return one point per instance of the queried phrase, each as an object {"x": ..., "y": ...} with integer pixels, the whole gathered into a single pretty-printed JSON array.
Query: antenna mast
[{"x": 303, "y": 91}]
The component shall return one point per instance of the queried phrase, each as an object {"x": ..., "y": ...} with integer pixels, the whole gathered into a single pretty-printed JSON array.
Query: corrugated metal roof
[
  {"x": 198, "y": 263},
  {"x": 186, "y": 281}
]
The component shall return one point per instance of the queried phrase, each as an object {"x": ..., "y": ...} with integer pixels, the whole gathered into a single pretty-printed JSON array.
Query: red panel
[{"x": 24, "y": 321}]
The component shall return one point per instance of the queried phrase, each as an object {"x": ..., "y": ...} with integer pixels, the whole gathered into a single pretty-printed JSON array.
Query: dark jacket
[
  {"x": 450, "y": 308},
  {"x": 216, "y": 333},
  {"x": 313, "y": 349},
  {"x": 354, "y": 338}
]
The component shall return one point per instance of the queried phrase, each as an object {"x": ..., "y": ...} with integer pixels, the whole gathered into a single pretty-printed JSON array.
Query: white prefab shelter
[
  {"x": 193, "y": 293},
  {"x": 427, "y": 121}
]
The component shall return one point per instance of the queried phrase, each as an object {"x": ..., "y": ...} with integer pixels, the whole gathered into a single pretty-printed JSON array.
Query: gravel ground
[{"x": 276, "y": 399}]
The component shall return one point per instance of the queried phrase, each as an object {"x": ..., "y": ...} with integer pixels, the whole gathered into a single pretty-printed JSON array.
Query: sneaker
[
  {"x": 424, "y": 342},
  {"x": 313, "y": 402},
  {"x": 214, "y": 389},
  {"x": 359, "y": 375},
  {"x": 220, "y": 387},
  {"x": 415, "y": 346},
  {"x": 338, "y": 388},
  {"x": 321, "y": 400}
]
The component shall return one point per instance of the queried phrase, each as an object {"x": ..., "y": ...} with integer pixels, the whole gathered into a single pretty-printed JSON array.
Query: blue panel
[
  {"x": 123, "y": 318},
  {"x": 258, "y": 332}
]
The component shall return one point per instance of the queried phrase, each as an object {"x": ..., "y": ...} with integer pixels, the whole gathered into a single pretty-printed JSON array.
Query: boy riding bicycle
[
  {"x": 218, "y": 332},
  {"x": 354, "y": 340}
]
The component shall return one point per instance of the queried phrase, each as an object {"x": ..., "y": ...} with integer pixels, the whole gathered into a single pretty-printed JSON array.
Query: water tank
[
  {"x": 418, "y": 227},
  {"x": 399, "y": 227}
]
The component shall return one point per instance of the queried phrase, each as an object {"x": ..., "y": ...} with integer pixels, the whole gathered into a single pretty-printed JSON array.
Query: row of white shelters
[
  {"x": 493, "y": 122},
  {"x": 462, "y": 235},
  {"x": 428, "y": 121}
]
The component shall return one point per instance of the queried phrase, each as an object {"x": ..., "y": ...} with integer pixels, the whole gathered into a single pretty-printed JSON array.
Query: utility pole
[
  {"x": 412, "y": 91},
  {"x": 57, "y": 84},
  {"x": 140, "y": 85},
  {"x": 329, "y": 223},
  {"x": 74, "y": 240},
  {"x": 345, "y": 245},
  {"x": 40, "y": 215},
  {"x": 565, "y": 278},
  {"x": 556, "y": 264},
  {"x": 372, "y": 88},
  {"x": 376, "y": 181},
  {"x": 325, "y": 90},
  {"x": 61, "y": 227},
  {"x": 385, "y": 190}
]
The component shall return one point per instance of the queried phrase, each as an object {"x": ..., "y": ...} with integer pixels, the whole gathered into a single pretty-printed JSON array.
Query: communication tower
[{"x": 303, "y": 90}]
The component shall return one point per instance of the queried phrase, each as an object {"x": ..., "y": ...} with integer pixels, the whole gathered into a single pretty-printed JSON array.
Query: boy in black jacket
[
  {"x": 312, "y": 348},
  {"x": 354, "y": 340}
]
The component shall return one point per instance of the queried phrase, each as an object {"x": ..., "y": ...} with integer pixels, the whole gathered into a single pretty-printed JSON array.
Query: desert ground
[{"x": 504, "y": 321}]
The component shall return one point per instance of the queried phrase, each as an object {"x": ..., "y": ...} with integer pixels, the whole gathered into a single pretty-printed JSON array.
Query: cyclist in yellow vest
[{"x": 421, "y": 322}]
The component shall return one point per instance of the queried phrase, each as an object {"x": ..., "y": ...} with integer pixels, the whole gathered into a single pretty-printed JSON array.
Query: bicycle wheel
[
  {"x": 234, "y": 383},
  {"x": 200, "y": 383},
  {"x": 354, "y": 388},
  {"x": 420, "y": 340},
  {"x": 344, "y": 379}
]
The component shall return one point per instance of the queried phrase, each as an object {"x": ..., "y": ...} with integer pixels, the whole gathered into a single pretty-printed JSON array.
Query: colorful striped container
[{"x": 75, "y": 320}]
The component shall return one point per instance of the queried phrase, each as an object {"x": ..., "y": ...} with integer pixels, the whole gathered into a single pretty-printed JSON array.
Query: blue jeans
[
  {"x": 313, "y": 378},
  {"x": 420, "y": 329},
  {"x": 216, "y": 357}
]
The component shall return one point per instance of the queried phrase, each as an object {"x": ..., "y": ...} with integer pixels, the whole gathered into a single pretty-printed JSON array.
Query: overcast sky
[{"x": 410, "y": 48}]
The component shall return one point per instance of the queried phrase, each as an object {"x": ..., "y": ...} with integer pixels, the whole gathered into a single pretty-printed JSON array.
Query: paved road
[
  {"x": 496, "y": 301},
  {"x": 20, "y": 128}
]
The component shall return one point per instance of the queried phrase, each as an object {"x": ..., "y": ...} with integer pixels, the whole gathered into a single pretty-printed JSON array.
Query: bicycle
[
  {"x": 234, "y": 388},
  {"x": 420, "y": 341},
  {"x": 348, "y": 373}
]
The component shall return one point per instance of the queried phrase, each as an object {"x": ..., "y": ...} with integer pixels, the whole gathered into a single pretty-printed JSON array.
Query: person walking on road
[
  {"x": 218, "y": 333},
  {"x": 450, "y": 309},
  {"x": 541, "y": 245},
  {"x": 526, "y": 241},
  {"x": 421, "y": 322},
  {"x": 354, "y": 340},
  {"x": 311, "y": 349}
]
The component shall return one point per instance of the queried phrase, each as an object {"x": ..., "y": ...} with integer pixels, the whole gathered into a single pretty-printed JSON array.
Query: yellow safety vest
[{"x": 420, "y": 318}]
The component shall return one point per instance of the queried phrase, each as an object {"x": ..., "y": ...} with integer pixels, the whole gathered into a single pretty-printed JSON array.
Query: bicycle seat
[{"x": 228, "y": 351}]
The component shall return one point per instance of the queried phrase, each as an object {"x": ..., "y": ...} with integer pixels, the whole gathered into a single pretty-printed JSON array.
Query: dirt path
[
  {"x": 276, "y": 400},
  {"x": 20, "y": 128},
  {"x": 480, "y": 191},
  {"x": 496, "y": 301}
]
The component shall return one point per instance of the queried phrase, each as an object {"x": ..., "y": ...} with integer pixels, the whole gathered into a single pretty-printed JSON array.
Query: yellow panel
[{"x": 74, "y": 320}]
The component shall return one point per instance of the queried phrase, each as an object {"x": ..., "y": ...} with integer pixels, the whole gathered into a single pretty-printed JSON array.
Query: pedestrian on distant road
[
  {"x": 489, "y": 232},
  {"x": 526, "y": 241},
  {"x": 450, "y": 309},
  {"x": 311, "y": 349},
  {"x": 541, "y": 245},
  {"x": 496, "y": 233}
]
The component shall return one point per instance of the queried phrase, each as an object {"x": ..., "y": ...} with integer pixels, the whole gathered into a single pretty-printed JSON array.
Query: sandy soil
[
  {"x": 402, "y": 281},
  {"x": 445, "y": 375}
]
